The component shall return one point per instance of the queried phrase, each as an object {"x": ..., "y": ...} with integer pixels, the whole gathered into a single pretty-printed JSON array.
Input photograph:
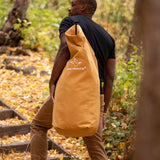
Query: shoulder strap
[{"x": 75, "y": 21}]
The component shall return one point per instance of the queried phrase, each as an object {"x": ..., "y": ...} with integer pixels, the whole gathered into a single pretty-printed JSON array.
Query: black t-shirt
[{"x": 99, "y": 39}]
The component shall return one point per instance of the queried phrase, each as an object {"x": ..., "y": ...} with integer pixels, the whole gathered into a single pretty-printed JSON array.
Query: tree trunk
[
  {"x": 135, "y": 38},
  {"x": 8, "y": 35},
  {"x": 148, "y": 128}
]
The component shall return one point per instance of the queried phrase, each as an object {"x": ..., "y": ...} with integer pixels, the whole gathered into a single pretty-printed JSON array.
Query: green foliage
[
  {"x": 117, "y": 12},
  {"x": 117, "y": 136},
  {"x": 127, "y": 83},
  {"x": 45, "y": 18},
  {"x": 4, "y": 9},
  {"x": 119, "y": 15},
  {"x": 116, "y": 17},
  {"x": 120, "y": 125}
]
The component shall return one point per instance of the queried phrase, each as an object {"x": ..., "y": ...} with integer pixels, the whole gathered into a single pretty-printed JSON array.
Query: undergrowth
[
  {"x": 119, "y": 134},
  {"x": 116, "y": 17}
]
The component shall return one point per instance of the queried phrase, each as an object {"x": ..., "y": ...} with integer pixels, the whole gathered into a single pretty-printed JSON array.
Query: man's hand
[
  {"x": 52, "y": 90},
  {"x": 104, "y": 122},
  {"x": 62, "y": 57}
]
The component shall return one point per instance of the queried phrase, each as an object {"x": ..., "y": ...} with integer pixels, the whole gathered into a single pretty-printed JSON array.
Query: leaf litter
[
  {"x": 12, "y": 121},
  {"x": 26, "y": 95}
]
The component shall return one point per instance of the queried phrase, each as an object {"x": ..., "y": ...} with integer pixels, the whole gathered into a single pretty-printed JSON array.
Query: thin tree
[
  {"x": 148, "y": 127},
  {"x": 135, "y": 38},
  {"x": 9, "y": 35}
]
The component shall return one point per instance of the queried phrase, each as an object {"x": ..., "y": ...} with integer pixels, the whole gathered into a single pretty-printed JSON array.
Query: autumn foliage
[{"x": 26, "y": 93}]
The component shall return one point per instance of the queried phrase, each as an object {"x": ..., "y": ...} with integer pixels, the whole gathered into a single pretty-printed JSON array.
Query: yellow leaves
[
  {"x": 27, "y": 155},
  {"x": 125, "y": 90},
  {"x": 123, "y": 99},
  {"x": 114, "y": 155},
  {"x": 54, "y": 153},
  {"x": 26, "y": 94},
  {"x": 4, "y": 55},
  {"x": 25, "y": 138},
  {"x": 2, "y": 108},
  {"x": 19, "y": 20},
  {"x": 109, "y": 145},
  {"x": 17, "y": 138},
  {"x": 122, "y": 146},
  {"x": 113, "y": 125},
  {"x": 115, "y": 107},
  {"x": 67, "y": 145},
  {"x": 121, "y": 157},
  {"x": 12, "y": 121},
  {"x": 12, "y": 94},
  {"x": 124, "y": 125},
  {"x": 74, "y": 146}
]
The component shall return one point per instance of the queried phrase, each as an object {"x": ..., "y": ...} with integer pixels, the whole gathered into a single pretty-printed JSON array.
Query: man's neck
[{"x": 87, "y": 15}]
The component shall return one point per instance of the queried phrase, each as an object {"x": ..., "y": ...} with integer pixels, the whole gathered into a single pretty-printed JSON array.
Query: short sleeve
[
  {"x": 112, "y": 51},
  {"x": 65, "y": 25}
]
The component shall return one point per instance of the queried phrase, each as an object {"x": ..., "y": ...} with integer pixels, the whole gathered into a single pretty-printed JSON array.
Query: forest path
[
  {"x": 25, "y": 93},
  {"x": 14, "y": 136}
]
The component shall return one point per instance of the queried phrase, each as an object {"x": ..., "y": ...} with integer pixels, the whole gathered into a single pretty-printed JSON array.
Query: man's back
[
  {"x": 103, "y": 46},
  {"x": 101, "y": 42}
]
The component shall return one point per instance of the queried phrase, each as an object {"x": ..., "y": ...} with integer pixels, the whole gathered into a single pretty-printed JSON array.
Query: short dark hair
[{"x": 92, "y": 5}]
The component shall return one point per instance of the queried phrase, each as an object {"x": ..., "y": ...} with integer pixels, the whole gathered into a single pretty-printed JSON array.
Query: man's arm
[
  {"x": 108, "y": 83},
  {"x": 62, "y": 57}
]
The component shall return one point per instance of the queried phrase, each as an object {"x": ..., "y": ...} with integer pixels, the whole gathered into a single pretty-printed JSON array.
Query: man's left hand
[
  {"x": 52, "y": 91},
  {"x": 104, "y": 121}
]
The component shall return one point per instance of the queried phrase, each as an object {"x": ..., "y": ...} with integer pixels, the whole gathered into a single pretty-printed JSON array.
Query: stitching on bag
[{"x": 75, "y": 62}]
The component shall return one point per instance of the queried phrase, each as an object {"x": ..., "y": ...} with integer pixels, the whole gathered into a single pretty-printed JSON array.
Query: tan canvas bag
[{"x": 76, "y": 110}]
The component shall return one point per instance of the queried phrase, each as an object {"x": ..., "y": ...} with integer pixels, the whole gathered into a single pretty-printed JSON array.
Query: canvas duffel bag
[{"x": 76, "y": 109}]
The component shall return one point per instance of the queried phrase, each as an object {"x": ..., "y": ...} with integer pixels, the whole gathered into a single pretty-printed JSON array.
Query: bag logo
[{"x": 75, "y": 63}]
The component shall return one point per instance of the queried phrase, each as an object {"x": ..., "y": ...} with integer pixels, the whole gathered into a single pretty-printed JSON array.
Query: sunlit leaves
[
  {"x": 27, "y": 155},
  {"x": 12, "y": 121},
  {"x": 75, "y": 146},
  {"x": 117, "y": 136},
  {"x": 26, "y": 94},
  {"x": 17, "y": 138}
]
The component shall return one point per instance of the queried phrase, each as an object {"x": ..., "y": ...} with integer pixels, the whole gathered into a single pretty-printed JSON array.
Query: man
[{"x": 104, "y": 48}]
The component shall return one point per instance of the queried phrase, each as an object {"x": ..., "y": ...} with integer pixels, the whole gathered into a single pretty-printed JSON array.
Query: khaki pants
[{"x": 43, "y": 122}]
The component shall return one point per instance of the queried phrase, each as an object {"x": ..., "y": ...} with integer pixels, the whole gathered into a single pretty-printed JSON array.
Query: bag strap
[
  {"x": 76, "y": 28},
  {"x": 75, "y": 21}
]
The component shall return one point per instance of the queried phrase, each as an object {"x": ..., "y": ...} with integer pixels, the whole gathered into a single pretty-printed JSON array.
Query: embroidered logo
[{"x": 76, "y": 65}]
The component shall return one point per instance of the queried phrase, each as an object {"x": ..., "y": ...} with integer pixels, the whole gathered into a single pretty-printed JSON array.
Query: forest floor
[{"x": 26, "y": 93}]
